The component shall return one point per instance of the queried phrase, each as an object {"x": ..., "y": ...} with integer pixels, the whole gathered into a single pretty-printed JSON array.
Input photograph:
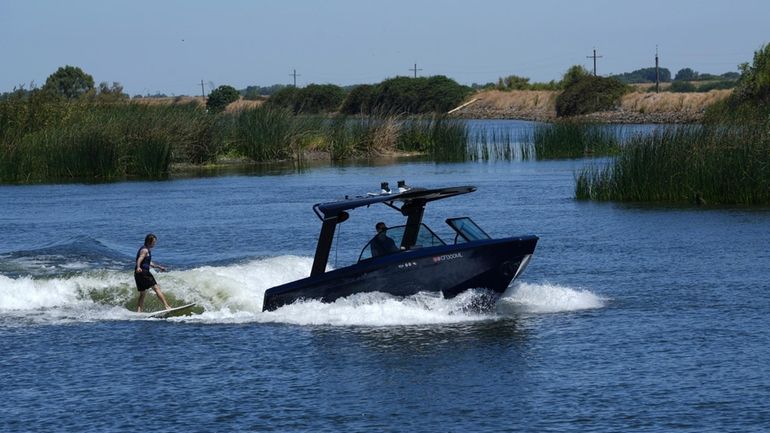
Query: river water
[{"x": 628, "y": 318}]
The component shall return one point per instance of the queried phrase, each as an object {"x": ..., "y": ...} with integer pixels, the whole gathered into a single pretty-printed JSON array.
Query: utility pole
[
  {"x": 594, "y": 57},
  {"x": 657, "y": 71},
  {"x": 295, "y": 75},
  {"x": 415, "y": 70},
  {"x": 203, "y": 91}
]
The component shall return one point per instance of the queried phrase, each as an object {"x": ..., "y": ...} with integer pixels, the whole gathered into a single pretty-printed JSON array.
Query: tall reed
[
  {"x": 268, "y": 134},
  {"x": 696, "y": 164},
  {"x": 442, "y": 138},
  {"x": 569, "y": 139}
]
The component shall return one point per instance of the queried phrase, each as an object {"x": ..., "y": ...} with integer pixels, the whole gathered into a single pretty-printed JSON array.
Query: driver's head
[{"x": 381, "y": 227}]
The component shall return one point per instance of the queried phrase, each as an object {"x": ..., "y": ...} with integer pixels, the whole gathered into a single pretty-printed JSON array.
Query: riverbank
[{"x": 635, "y": 107}]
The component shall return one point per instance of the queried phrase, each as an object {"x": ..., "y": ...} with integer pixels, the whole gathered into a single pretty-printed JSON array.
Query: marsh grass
[
  {"x": 491, "y": 144},
  {"x": 270, "y": 134},
  {"x": 102, "y": 142},
  {"x": 51, "y": 141},
  {"x": 442, "y": 138},
  {"x": 715, "y": 164},
  {"x": 568, "y": 139}
]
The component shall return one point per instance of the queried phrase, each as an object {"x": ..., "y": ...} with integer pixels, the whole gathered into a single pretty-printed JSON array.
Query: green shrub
[
  {"x": 313, "y": 99},
  {"x": 437, "y": 94},
  {"x": 358, "y": 100},
  {"x": 221, "y": 97},
  {"x": 589, "y": 94},
  {"x": 644, "y": 75}
]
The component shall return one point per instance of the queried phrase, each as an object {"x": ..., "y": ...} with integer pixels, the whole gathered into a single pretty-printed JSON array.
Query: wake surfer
[{"x": 143, "y": 276}]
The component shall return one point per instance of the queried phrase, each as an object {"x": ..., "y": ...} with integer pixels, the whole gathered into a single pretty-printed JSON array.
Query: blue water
[{"x": 629, "y": 317}]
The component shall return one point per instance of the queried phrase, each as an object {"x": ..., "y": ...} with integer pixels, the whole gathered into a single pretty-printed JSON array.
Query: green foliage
[
  {"x": 69, "y": 82},
  {"x": 256, "y": 93},
  {"x": 313, "y": 99},
  {"x": 644, "y": 75},
  {"x": 221, "y": 97},
  {"x": 513, "y": 82},
  {"x": 318, "y": 98},
  {"x": 284, "y": 98},
  {"x": 754, "y": 83},
  {"x": 589, "y": 94},
  {"x": 437, "y": 94},
  {"x": 110, "y": 94},
  {"x": 573, "y": 75},
  {"x": 749, "y": 103},
  {"x": 359, "y": 100},
  {"x": 686, "y": 74}
]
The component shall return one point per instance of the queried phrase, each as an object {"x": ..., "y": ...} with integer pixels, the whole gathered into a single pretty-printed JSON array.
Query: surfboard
[{"x": 176, "y": 311}]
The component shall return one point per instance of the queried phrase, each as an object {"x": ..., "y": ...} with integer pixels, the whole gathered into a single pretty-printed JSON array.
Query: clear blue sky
[{"x": 169, "y": 46}]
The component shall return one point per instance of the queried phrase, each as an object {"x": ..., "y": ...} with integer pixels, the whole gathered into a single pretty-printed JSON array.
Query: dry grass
[
  {"x": 541, "y": 104},
  {"x": 242, "y": 104},
  {"x": 237, "y": 106},
  {"x": 540, "y": 100},
  {"x": 666, "y": 102},
  {"x": 170, "y": 100}
]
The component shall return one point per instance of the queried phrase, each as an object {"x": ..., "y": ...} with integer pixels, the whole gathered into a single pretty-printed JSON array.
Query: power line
[
  {"x": 594, "y": 57},
  {"x": 415, "y": 70},
  {"x": 295, "y": 75},
  {"x": 657, "y": 71}
]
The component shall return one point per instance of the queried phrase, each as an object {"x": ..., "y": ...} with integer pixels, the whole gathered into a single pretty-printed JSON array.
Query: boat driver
[{"x": 382, "y": 244}]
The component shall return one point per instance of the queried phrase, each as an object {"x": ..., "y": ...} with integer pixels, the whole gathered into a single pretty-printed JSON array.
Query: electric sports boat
[{"x": 421, "y": 262}]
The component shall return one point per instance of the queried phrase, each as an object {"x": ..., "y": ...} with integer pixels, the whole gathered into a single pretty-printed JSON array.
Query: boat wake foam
[
  {"x": 547, "y": 298},
  {"x": 234, "y": 294}
]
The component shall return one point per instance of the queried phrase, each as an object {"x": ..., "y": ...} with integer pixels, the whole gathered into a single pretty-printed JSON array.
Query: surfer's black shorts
[{"x": 144, "y": 280}]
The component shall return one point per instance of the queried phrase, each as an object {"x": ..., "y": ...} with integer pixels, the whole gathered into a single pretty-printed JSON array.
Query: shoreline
[{"x": 634, "y": 107}]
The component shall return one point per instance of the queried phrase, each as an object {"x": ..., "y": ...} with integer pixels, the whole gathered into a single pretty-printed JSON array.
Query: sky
[{"x": 170, "y": 46}]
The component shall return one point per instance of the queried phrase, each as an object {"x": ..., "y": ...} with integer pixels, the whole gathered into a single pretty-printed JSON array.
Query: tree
[
  {"x": 754, "y": 83},
  {"x": 69, "y": 82},
  {"x": 359, "y": 100},
  {"x": 588, "y": 95},
  {"x": 513, "y": 82},
  {"x": 686, "y": 74},
  {"x": 574, "y": 74},
  {"x": 221, "y": 97},
  {"x": 111, "y": 94}
]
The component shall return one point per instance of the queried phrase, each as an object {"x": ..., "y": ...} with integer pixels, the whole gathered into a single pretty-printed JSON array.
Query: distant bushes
[
  {"x": 589, "y": 94},
  {"x": 515, "y": 82},
  {"x": 312, "y": 99},
  {"x": 707, "y": 86},
  {"x": 221, "y": 97},
  {"x": 644, "y": 75},
  {"x": 404, "y": 95}
]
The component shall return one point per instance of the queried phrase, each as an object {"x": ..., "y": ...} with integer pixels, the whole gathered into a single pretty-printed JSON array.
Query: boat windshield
[
  {"x": 467, "y": 230},
  {"x": 425, "y": 238}
]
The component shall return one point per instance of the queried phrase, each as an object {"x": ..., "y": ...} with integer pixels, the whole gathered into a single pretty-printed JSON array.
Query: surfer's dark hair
[{"x": 149, "y": 238}]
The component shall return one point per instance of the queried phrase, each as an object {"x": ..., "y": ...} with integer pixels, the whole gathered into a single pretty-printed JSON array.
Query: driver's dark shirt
[{"x": 382, "y": 245}]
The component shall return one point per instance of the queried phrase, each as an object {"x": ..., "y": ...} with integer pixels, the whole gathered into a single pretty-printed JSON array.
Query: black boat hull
[{"x": 449, "y": 269}]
